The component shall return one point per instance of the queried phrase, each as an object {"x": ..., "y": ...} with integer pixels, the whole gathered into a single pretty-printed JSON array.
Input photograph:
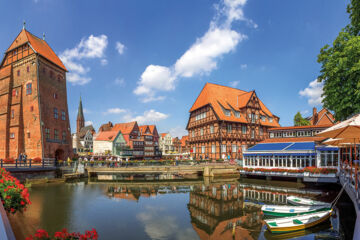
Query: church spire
[{"x": 80, "y": 120}]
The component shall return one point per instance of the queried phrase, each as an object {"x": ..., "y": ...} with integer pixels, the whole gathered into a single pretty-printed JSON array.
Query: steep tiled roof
[
  {"x": 297, "y": 139},
  {"x": 39, "y": 45},
  {"x": 299, "y": 127},
  {"x": 163, "y": 134},
  {"x": 106, "y": 127},
  {"x": 106, "y": 136},
  {"x": 219, "y": 97},
  {"x": 183, "y": 140},
  {"x": 85, "y": 129},
  {"x": 125, "y": 128},
  {"x": 143, "y": 129}
]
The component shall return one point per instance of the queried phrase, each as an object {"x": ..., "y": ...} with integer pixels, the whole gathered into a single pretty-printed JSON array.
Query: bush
[{"x": 14, "y": 196}]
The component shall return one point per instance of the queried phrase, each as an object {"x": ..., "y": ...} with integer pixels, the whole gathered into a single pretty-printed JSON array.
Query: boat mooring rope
[{"x": 333, "y": 203}]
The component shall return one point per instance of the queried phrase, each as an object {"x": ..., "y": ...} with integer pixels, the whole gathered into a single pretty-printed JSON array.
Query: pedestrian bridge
[{"x": 208, "y": 170}]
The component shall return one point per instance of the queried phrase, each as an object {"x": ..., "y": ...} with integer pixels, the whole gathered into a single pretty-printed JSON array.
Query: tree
[
  {"x": 340, "y": 68},
  {"x": 300, "y": 121}
]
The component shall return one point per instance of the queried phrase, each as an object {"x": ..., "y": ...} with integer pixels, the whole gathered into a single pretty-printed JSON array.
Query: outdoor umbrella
[
  {"x": 349, "y": 129},
  {"x": 342, "y": 141}
]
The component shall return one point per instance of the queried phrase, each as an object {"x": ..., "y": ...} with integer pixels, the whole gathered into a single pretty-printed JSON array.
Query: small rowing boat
[
  {"x": 287, "y": 211},
  {"x": 305, "y": 202},
  {"x": 296, "y": 223}
]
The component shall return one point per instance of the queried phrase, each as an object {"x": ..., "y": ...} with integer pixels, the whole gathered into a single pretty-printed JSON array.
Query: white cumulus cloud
[
  {"x": 89, "y": 48},
  {"x": 234, "y": 84},
  {"x": 313, "y": 92},
  {"x": 87, "y": 123},
  {"x": 150, "y": 116},
  {"x": 120, "y": 47},
  {"x": 115, "y": 111},
  {"x": 243, "y": 66},
  {"x": 201, "y": 58}
]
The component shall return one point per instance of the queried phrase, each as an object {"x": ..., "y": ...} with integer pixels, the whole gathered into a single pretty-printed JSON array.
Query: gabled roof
[
  {"x": 163, "y": 134},
  {"x": 223, "y": 97},
  {"x": 183, "y": 140},
  {"x": 40, "y": 46},
  {"x": 143, "y": 129},
  {"x": 125, "y": 128},
  {"x": 85, "y": 129},
  {"x": 106, "y": 136},
  {"x": 105, "y": 127}
]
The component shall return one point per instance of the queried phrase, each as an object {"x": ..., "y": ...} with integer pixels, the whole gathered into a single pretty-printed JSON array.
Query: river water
[{"x": 178, "y": 210}]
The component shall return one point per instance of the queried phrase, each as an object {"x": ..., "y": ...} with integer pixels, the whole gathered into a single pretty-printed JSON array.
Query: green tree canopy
[
  {"x": 300, "y": 121},
  {"x": 340, "y": 68}
]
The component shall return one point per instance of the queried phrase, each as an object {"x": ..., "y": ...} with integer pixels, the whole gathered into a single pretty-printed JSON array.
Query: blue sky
[{"x": 148, "y": 60}]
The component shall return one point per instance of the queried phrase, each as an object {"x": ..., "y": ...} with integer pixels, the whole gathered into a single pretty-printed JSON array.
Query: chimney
[{"x": 314, "y": 116}]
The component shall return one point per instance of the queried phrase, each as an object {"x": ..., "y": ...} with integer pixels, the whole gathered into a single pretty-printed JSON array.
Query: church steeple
[{"x": 80, "y": 120}]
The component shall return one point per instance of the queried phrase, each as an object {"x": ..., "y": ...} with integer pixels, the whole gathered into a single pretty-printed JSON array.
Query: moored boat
[
  {"x": 296, "y": 223},
  {"x": 294, "y": 200},
  {"x": 287, "y": 211}
]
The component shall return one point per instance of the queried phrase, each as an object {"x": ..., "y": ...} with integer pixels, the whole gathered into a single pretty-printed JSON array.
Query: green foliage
[
  {"x": 340, "y": 68},
  {"x": 300, "y": 121}
]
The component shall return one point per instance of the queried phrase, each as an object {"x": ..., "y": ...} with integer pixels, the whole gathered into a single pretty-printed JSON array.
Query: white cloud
[
  {"x": 77, "y": 79},
  {"x": 313, "y": 92},
  {"x": 201, "y": 58},
  {"x": 120, "y": 82},
  {"x": 115, "y": 111},
  {"x": 154, "y": 78},
  {"x": 234, "y": 84},
  {"x": 150, "y": 116},
  {"x": 87, "y": 123},
  {"x": 88, "y": 48},
  {"x": 178, "y": 131},
  {"x": 243, "y": 66},
  {"x": 120, "y": 47}
]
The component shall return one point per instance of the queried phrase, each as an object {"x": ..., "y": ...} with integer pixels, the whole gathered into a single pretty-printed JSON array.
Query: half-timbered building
[{"x": 225, "y": 120}]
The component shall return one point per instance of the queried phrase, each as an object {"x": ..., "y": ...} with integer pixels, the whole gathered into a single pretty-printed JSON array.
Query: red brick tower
[{"x": 34, "y": 115}]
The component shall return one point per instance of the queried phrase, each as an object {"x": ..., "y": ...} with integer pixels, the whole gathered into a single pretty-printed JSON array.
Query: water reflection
[{"x": 165, "y": 210}]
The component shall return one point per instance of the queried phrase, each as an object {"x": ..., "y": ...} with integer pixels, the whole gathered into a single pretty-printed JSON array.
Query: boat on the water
[
  {"x": 294, "y": 200},
  {"x": 296, "y": 223},
  {"x": 287, "y": 211}
]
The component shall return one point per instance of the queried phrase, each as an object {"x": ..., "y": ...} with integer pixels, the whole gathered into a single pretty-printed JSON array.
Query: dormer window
[
  {"x": 237, "y": 114},
  {"x": 226, "y": 111},
  {"x": 270, "y": 119}
]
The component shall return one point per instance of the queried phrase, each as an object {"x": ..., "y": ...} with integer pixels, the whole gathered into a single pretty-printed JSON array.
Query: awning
[
  {"x": 327, "y": 149},
  {"x": 287, "y": 146}
]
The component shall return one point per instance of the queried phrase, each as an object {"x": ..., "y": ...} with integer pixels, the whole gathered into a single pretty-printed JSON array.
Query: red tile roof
[
  {"x": 299, "y": 127},
  {"x": 39, "y": 45},
  {"x": 219, "y": 97},
  {"x": 299, "y": 139},
  {"x": 183, "y": 140},
  {"x": 125, "y": 128},
  {"x": 106, "y": 136}
]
